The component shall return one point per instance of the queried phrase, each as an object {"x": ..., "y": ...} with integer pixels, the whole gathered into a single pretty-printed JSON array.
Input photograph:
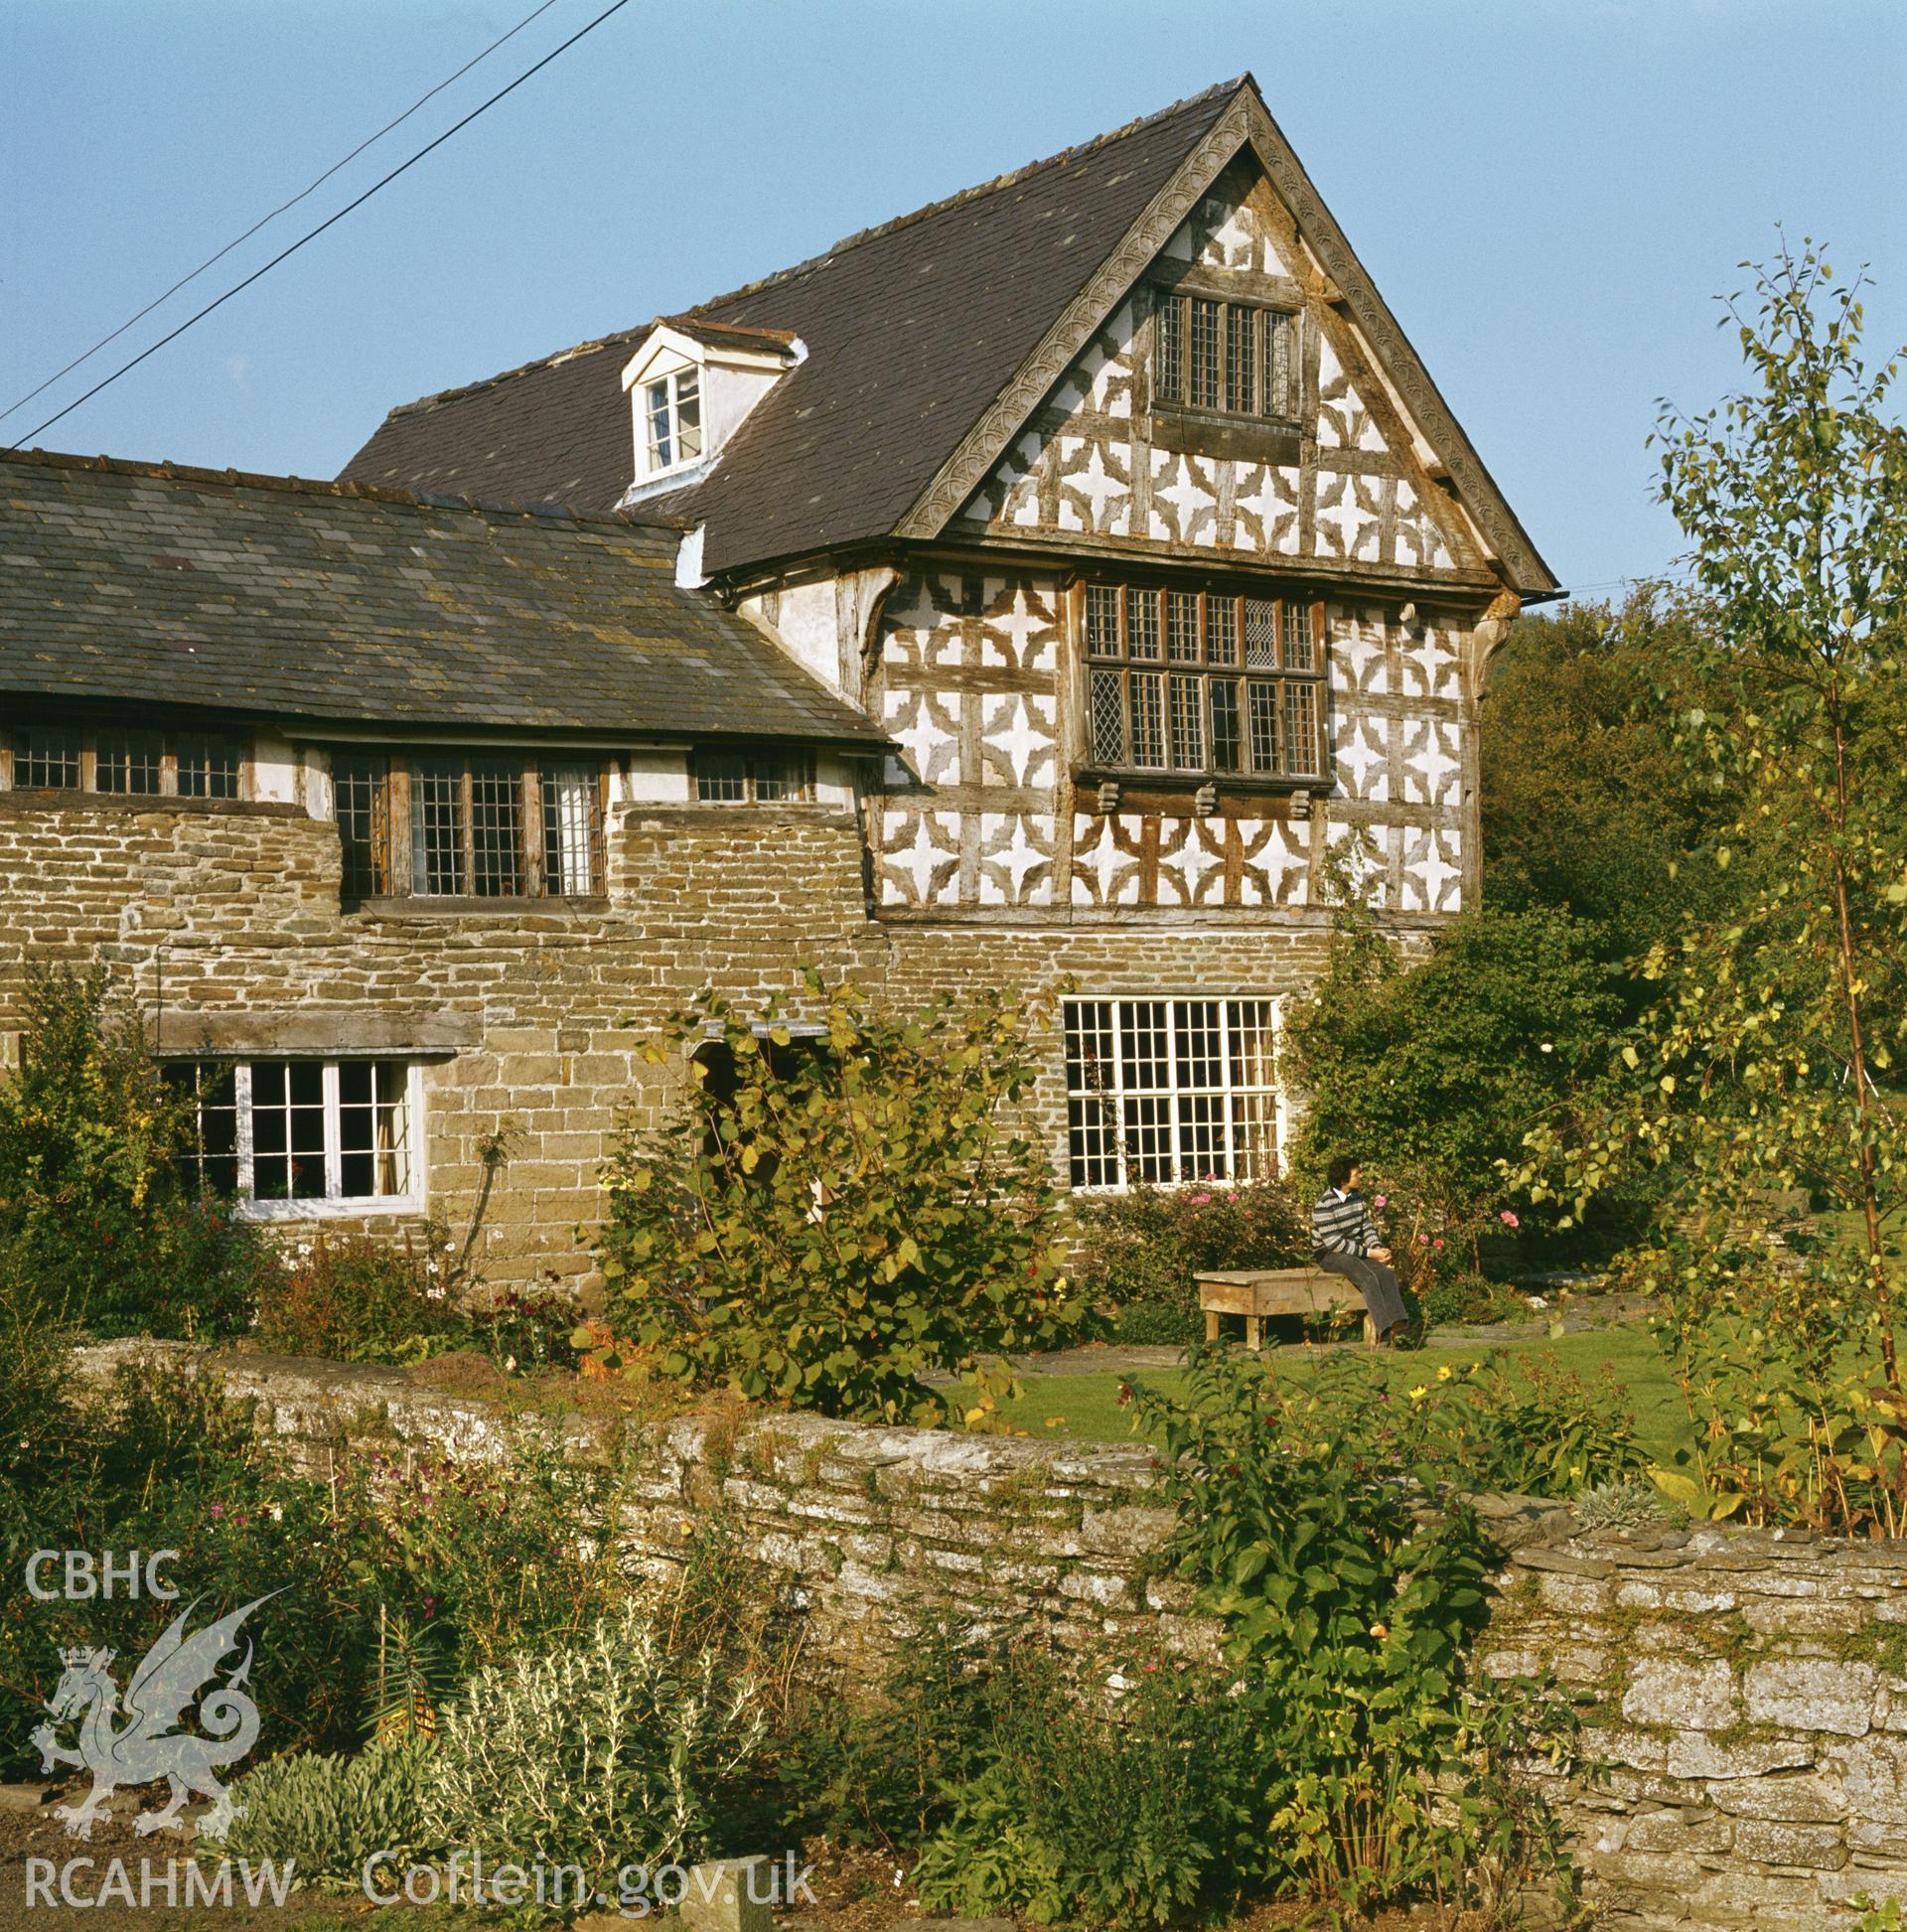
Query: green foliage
[
  {"x": 1109, "y": 1797},
  {"x": 485, "y": 1556},
  {"x": 1886, "y": 1916},
  {"x": 1627, "y": 1503},
  {"x": 833, "y": 1223},
  {"x": 1755, "y": 1070},
  {"x": 1139, "y": 1250},
  {"x": 329, "y": 1815},
  {"x": 160, "y": 1461},
  {"x": 94, "y": 1216},
  {"x": 1432, "y": 1071},
  {"x": 602, "y": 1751},
  {"x": 878, "y": 1767},
  {"x": 1387, "y": 1764},
  {"x": 352, "y": 1299},
  {"x": 1612, "y": 831}
]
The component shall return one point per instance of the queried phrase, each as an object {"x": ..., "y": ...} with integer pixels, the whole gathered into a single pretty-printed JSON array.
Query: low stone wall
[{"x": 1745, "y": 1691}]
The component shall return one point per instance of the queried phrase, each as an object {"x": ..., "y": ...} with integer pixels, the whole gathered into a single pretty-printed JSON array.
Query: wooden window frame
[
  {"x": 1268, "y": 337},
  {"x": 1170, "y": 698},
  {"x": 754, "y": 769},
  {"x": 170, "y": 741},
  {"x": 390, "y": 853}
]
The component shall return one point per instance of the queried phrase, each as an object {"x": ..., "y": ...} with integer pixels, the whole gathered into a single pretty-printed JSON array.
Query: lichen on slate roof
[{"x": 267, "y": 596}]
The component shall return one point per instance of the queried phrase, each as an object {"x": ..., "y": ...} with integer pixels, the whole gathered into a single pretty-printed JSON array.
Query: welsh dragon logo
[{"x": 149, "y": 1744}]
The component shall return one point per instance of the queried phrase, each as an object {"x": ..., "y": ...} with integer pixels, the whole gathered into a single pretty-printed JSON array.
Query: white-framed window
[
  {"x": 287, "y": 1139},
  {"x": 672, "y": 411},
  {"x": 1167, "y": 1092}
]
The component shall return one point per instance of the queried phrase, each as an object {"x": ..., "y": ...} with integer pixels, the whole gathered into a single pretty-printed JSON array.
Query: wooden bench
[{"x": 1258, "y": 1292}]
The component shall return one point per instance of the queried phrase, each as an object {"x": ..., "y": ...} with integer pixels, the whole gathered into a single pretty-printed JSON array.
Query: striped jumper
[{"x": 1341, "y": 1225}]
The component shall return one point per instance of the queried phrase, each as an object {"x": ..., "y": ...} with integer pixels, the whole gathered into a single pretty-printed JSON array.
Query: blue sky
[{"x": 1550, "y": 193}]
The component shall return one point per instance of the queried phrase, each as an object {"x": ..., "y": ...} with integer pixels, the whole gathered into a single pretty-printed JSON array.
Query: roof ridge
[
  {"x": 170, "y": 472},
  {"x": 1011, "y": 178},
  {"x": 697, "y": 311}
]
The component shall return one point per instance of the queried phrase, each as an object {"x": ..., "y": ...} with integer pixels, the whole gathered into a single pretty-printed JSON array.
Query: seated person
[{"x": 1345, "y": 1240}]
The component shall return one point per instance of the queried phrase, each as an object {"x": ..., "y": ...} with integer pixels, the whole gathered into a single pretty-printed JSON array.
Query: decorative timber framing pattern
[{"x": 1246, "y": 124}]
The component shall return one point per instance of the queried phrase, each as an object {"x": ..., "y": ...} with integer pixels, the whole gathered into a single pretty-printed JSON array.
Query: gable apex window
[
  {"x": 1231, "y": 359},
  {"x": 1216, "y": 683}
]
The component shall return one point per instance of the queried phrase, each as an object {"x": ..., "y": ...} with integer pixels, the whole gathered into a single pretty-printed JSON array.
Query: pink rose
[
  {"x": 1383, "y": 1201},
  {"x": 1508, "y": 1220},
  {"x": 1438, "y": 1243},
  {"x": 1423, "y": 1241}
]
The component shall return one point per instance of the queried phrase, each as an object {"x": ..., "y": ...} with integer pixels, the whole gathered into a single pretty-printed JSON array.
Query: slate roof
[
  {"x": 912, "y": 330},
  {"x": 322, "y": 602}
]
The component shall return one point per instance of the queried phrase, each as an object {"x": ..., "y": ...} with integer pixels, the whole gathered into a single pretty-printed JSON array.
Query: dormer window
[
  {"x": 691, "y": 383},
  {"x": 674, "y": 404}
]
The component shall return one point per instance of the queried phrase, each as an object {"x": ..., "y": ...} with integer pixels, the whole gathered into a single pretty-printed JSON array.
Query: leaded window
[
  {"x": 733, "y": 778},
  {"x": 1169, "y": 1091},
  {"x": 1209, "y": 681},
  {"x": 453, "y": 825},
  {"x": 126, "y": 761},
  {"x": 1233, "y": 358}
]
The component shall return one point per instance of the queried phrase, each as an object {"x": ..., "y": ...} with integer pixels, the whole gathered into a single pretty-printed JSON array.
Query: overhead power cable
[
  {"x": 283, "y": 208},
  {"x": 284, "y": 254}
]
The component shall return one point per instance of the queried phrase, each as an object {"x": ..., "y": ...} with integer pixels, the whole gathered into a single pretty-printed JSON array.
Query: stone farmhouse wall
[
  {"x": 1745, "y": 1693},
  {"x": 224, "y": 922}
]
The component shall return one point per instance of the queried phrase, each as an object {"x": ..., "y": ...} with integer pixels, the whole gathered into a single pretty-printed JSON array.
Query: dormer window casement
[
  {"x": 673, "y": 406},
  {"x": 691, "y": 384}
]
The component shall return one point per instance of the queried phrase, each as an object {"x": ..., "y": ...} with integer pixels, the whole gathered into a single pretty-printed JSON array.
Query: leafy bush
[
  {"x": 352, "y": 1299},
  {"x": 599, "y": 1752},
  {"x": 1140, "y": 1251},
  {"x": 1128, "y": 1800},
  {"x": 1349, "y": 1620},
  {"x": 329, "y": 1814},
  {"x": 877, "y": 1766},
  {"x": 1433, "y": 1071},
  {"x": 466, "y": 1560},
  {"x": 827, "y": 1226},
  {"x": 1525, "y": 1427},
  {"x": 95, "y": 1214}
]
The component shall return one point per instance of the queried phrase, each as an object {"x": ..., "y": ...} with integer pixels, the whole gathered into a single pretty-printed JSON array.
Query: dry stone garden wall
[{"x": 1745, "y": 1691}]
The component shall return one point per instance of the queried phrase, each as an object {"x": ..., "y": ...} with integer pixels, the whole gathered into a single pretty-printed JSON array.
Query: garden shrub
[
  {"x": 601, "y": 1751},
  {"x": 329, "y": 1814},
  {"x": 828, "y": 1224},
  {"x": 355, "y": 1299},
  {"x": 1139, "y": 1250},
  {"x": 1122, "y": 1796},
  {"x": 1388, "y": 1761},
  {"x": 467, "y": 1561},
  {"x": 877, "y": 1766},
  {"x": 158, "y": 1460},
  {"x": 95, "y": 1211},
  {"x": 1432, "y": 1071}
]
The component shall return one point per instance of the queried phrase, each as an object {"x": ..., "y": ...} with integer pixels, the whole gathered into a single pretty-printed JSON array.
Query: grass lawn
[{"x": 1086, "y": 1406}]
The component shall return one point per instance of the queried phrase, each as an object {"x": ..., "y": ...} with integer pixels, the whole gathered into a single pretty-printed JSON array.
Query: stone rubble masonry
[
  {"x": 1744, "y": 1692},
  {"x": 223, "y": 923}
]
